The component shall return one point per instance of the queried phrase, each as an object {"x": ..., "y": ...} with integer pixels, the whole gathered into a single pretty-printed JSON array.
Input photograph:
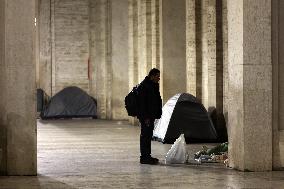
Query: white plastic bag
[{"x": 177, "y": 153}]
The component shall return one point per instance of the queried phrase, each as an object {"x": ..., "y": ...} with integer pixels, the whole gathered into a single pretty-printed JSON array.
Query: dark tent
[
  {"x": 71, "y": 102},
  {"x": 183, "y": 113}
]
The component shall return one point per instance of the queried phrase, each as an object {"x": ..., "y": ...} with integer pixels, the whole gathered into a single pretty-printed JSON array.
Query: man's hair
[{"x": 153, "y": 72}]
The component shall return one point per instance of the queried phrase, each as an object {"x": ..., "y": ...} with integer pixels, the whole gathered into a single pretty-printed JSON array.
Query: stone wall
[
  {"x": 63, "y": 45},
  {"x": 84, "y": 43},
  {"x": 71, "y": 27}
]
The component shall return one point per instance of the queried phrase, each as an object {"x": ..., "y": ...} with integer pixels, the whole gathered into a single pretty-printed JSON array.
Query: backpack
[{"x": 131, "y": 102}]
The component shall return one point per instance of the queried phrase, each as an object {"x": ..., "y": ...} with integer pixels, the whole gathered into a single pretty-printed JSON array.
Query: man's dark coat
[{"x": 149, "y": 100}]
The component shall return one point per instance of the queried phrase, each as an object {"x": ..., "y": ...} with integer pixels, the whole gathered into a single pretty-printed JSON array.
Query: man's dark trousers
[{"x": 145, "y": 138}]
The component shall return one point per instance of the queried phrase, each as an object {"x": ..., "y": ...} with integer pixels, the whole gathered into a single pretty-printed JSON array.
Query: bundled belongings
[
  {"x": 71, "y": 102},
  {"x": 183, "y": 113},
  {"x": 217, "y": 150},
  {"x": 218, "y": 153}
]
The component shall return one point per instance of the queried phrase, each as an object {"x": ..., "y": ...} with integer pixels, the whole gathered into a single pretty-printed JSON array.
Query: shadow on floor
[{"x": 32, "y": 182}]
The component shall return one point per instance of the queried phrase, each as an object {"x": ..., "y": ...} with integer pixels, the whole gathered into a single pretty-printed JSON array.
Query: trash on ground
[
  {"x": 204, "y": 159},
  {"x": 177, "y": 153},
  {"x": 220, "y": 158},
  {"x": 217, "y": 154},
  {"x": 219, "y": 149},
  {"x": 226, "y": 162}
]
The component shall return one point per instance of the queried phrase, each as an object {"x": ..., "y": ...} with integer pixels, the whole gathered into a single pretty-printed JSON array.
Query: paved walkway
[{"x": 105, "y": 154}]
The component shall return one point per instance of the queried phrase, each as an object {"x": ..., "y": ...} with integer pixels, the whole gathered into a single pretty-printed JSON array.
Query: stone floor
[{"x": 104, "y": 154}]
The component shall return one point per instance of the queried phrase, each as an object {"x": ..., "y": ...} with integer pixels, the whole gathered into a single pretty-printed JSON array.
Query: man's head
[{"x": 154, "y": 75}]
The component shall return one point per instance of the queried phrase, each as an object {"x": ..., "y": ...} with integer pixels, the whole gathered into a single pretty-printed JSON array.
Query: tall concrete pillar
[
  {"x": 144, "y": 38},
  {"x": 250, "y": 85},
  {"x": 278, "y": 79},
  {"x": 155, "y": 12},
  {"x": 119, "y": 61},
  {"x": 3, "y": 126},
  {"x": 225, "y": 59},
  {"x": 52, "y": 36},
  {"x": 133, "y": 48},
  {"x": 191, "y": 61},
  {"x": 18, "y": 87},
  {"x": 100, "y": 61},
  {"x": 45, "y": 64},
  {"x": 212, "y": 61},
  {"x": 133, "y": 43},
  {"x": 204, "y": 57},
  {"x": 212, "y": 58},
  {"x": 194, "y": 48},
  {"x": 210, "y": 54},
  {"x": 173, "y": 47}
]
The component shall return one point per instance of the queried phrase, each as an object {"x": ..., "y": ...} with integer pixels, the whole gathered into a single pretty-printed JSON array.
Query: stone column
[
  {"x": 3, "y": 87},
  {"x": 173, "y": 47},
  {"x": 133, "y": 43},
  {"x": 194, "y": 48},
  {"x": 204, "y": 55},
  {"x": 212, "y": 55},
  {"x": 18, "y": 87},
  {"x": 133, "y": 48},
  {"x": 278, "y": 79},
  {"x": 212, "y": 62},
  {"x": 44, "y": 28},
  {"x": 100, "y": 68},
  {"x": 155, "y": 12},
  {"x": 53, "y": 62},
  {"x": 191, "y": 22},
  {"x": 250, "y": 85},
  {"x": 144, "y": 38},
  {"x": 225, "y": 59},
  {"x": 119, "y": 62}
]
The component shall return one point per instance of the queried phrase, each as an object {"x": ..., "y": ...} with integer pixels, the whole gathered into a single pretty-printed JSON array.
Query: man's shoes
[{"x": 149, "y": 160}]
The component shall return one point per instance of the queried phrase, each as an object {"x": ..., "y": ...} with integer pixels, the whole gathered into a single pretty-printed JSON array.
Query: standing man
[{"x": 149, "y": 109}]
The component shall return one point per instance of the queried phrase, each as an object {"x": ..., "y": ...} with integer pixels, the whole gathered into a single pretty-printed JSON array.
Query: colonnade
[{"x": 218, "y": 51}]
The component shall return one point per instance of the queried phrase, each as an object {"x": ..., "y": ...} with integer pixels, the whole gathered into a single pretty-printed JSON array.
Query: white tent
[
  {"x": 161, "y": 125},
  {"x": 183, "y": 113}
]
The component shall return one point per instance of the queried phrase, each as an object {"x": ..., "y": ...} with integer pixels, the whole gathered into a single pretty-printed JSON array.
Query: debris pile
[{"x": 217, "y": 154}]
